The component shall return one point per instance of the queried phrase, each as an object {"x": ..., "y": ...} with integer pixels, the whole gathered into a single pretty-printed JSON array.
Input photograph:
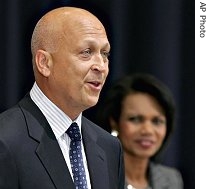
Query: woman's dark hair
[{"x": 112, "y": 104}]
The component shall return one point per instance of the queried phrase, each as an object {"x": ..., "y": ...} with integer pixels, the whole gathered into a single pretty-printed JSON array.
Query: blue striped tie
[{"x": 76, "y": 159}]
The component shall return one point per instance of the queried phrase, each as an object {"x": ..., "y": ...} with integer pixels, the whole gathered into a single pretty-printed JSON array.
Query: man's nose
[{"x": 100, "y": 64}]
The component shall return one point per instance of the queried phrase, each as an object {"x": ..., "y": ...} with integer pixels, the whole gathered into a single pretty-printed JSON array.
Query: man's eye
[
  {"x": 86, "y": 53},
  {"x": 105, "y": 54}
]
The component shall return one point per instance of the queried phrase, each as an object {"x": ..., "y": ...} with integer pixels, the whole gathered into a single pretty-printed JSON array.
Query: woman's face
[{"x": 142, "y": 125}]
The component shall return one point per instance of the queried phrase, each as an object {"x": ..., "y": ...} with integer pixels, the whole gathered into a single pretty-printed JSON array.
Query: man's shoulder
[
  {"x": 95, "y": 127},
  {"x": 104, "y": 135},
  {"x": 10, "y": 115},
  {"x": 11, "y": 122},
  {"x": 14, "y": 112}
]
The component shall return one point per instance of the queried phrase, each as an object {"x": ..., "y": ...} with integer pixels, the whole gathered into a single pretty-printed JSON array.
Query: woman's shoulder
[
  {"x": 165, "y": 175},
  {"x": 163, "y": 169}
]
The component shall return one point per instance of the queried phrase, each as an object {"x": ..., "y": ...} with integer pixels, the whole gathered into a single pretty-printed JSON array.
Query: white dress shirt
[{"x": 59, "y": 123}]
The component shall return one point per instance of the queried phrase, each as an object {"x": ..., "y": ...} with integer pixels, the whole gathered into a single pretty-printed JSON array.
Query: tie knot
[{"x": 74, "y": 132}]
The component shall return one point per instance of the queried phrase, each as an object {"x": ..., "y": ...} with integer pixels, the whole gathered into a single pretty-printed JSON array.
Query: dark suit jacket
[{"x": 30, "y": 157}]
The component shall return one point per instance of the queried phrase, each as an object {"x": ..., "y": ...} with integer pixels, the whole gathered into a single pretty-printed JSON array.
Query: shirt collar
[{"x": 57, "y": 119}]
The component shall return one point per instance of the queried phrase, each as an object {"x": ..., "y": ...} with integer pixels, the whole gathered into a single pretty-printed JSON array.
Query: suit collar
[
  {"x": 48, "y": 149},
  {"x": 58, "y": 120}
]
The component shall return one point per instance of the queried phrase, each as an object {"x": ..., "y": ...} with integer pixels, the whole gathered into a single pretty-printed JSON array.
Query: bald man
[{"x": 70, "y": 61}]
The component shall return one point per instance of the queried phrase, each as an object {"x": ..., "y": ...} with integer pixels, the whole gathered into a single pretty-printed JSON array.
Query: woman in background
[{"x": 139, "y": 110}]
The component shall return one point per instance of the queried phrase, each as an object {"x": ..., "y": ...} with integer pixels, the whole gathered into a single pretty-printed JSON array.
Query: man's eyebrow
[{"x": 93, "y": 42}]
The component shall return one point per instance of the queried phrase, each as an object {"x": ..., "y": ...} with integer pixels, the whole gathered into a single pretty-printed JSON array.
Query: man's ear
[{"x": 43, "y": 62}]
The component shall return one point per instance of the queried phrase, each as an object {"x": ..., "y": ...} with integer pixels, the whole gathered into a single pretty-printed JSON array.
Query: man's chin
[{"x": 93, "y": 101}]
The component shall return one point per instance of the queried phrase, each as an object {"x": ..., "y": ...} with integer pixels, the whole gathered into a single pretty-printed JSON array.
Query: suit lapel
[
  {"x": 97, "y": 163},
  {"x": 48, "y": 149},
  {"x": 52, "y": 158}
]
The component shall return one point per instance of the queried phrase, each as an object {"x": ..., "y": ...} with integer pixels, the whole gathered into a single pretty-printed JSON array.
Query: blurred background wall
[{"x": 156, "y": 37}]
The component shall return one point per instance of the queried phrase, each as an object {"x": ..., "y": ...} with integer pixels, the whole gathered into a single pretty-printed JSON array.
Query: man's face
[{"x": 80, "y": 66}]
